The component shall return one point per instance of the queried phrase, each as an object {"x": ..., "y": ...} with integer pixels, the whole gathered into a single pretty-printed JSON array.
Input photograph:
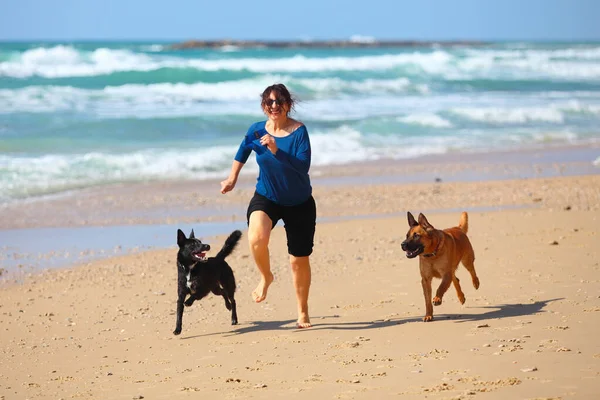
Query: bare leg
[
  {"x": 302, "y": 276},
  {"x": 259, "y": 233}
]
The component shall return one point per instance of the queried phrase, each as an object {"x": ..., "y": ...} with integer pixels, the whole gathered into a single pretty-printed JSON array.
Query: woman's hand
[
  {"x": 227, "y": 185},
  {"x": 269, "y": 141}
]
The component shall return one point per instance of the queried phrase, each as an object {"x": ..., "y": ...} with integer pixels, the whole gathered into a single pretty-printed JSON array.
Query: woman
[{"x": 283, "y": 191}]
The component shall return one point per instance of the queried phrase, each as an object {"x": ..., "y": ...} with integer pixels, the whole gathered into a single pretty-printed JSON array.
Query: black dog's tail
[{"x": 229, "y": 245}]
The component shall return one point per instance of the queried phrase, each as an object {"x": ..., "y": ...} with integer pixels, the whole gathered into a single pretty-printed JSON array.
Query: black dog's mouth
[{"x": 200, "y": 256}]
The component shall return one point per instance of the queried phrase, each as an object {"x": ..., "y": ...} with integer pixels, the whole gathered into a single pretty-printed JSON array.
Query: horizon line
[{"x": 370, "y": 39}]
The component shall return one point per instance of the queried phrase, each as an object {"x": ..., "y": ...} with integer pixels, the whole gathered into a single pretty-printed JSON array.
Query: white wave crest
[
  {"x": 32, "y": 176},
  {"x": 432, "y": 120},
  {"x": 65, "y": 61},
  {"x": 571, "y": 64},
  {"x": 329, "y": 86},
  {"x": 510, "y": 115},
  {"x": 179, "y": 97}
]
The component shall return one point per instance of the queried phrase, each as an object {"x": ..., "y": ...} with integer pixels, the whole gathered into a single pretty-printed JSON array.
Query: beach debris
[
  {"x": 567, "y": 208},
  {"x": 138, "y": 397},
  {"x": 559, "y": 327},
  {"x": 483, "y": 326},
  {"x": 439, "y": 388},
  {"x": 531, "y": 369},
  {"x": 537, "y": 199},
  {"x": 345, "y": 381},
  {"x": 190, "y": 389},
  {"x": 260, "y": 386},
  {"x": 553, "y": 243}
]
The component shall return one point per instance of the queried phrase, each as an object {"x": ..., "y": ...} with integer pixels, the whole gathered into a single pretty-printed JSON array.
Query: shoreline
[
  {"x": 529, "y": 162},
  {"x": 100, "y": 223}
]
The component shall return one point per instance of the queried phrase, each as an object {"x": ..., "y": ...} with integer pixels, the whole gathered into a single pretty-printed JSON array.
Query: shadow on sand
[{"x": 495, "y": 312}]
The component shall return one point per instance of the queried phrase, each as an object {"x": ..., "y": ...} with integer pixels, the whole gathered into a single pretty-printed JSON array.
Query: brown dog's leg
[
  {"x": 426, "y": 283},
  {"x": 459, "y": 292},
  {"x": 468, "y": 261},
  {"x": 446, "y": 281}
]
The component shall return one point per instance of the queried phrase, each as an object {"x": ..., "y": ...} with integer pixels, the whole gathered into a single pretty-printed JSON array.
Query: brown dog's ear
[
  {"x": 424, "y": 223},
  {"x": 411, "y": 220},
  {"x": 180, "y": 237}
]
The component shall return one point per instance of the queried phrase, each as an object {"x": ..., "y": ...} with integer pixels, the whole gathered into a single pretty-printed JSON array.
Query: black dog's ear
[
  {"x": 424, "y": 223},
  {"x": 192, "y": 235},
  {"x": 180, "y": 238},
  {"x": 411, "y": 220}
]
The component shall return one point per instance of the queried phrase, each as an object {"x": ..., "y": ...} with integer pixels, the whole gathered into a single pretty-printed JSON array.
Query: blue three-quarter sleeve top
[{"x": 283, "y": 177}]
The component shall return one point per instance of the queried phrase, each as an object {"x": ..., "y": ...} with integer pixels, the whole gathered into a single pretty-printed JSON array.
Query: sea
[{"x": 75, "y": 115}]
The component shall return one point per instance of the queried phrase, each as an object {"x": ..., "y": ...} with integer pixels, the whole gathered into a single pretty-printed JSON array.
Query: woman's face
[{"x": 275, "y": 107}]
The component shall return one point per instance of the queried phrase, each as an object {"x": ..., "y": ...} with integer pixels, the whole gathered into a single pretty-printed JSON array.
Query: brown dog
[{"x": 439, "y": 254}]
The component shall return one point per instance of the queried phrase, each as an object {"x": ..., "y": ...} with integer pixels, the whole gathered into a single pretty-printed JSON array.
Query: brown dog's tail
[{"x": 464, "y": 222}]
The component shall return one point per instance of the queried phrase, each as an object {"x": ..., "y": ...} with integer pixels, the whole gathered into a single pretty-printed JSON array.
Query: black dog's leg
[
  {"x": 180, "y": 300},
  {"x": 230, "y": 304},
  {"x": 189, "y": 301},
  {"x": 219, "y": 291},
  {"x": 228, "y": 282},
  {"x": 234, "y": 319},
  {"x": 227, "y": 303}
]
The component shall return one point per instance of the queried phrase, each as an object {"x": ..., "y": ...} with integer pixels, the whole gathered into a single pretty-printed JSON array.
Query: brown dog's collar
[{"x": 437, "y": 248}]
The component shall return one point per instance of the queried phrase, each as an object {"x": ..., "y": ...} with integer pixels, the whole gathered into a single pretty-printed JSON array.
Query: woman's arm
[{"x": 228, "y": 184}]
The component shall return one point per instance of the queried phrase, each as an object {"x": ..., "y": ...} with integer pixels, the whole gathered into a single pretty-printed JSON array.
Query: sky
[{"x": 175, "y": 20}]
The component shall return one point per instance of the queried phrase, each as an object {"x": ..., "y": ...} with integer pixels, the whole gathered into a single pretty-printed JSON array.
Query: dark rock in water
[{"x": 200, "y": 44}]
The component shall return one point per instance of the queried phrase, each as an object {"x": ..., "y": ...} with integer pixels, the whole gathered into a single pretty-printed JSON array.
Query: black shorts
[{"x": 299, "y": 222}]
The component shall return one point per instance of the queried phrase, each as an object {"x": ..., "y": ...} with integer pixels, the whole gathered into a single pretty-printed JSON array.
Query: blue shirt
[{"x": 283, "y": 177}]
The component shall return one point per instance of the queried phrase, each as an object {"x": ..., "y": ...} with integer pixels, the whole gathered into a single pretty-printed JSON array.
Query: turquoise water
[{"x": 75, "y": 115}]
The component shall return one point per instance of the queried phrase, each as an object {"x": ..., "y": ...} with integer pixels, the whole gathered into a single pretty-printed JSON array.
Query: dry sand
[{"x": 103, "y": 330}]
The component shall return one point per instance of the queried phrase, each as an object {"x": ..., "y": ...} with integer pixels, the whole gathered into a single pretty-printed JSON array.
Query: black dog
[{"x": 198, "y": 275}]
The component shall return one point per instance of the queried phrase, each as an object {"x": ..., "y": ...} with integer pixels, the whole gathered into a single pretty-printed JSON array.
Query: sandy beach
[{"x": 101, "y": 327}]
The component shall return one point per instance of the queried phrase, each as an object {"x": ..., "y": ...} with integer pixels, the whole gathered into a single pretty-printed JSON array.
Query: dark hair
[{"x": 281, "y": 93}]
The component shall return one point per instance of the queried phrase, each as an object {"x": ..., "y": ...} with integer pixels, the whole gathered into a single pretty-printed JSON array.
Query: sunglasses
[{"x": 269, "y": 102}]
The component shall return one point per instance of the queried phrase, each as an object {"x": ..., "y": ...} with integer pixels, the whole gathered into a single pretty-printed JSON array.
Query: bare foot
[
  {"x": 303, "y": 321},
  {"x": 260, "y": 293}
]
